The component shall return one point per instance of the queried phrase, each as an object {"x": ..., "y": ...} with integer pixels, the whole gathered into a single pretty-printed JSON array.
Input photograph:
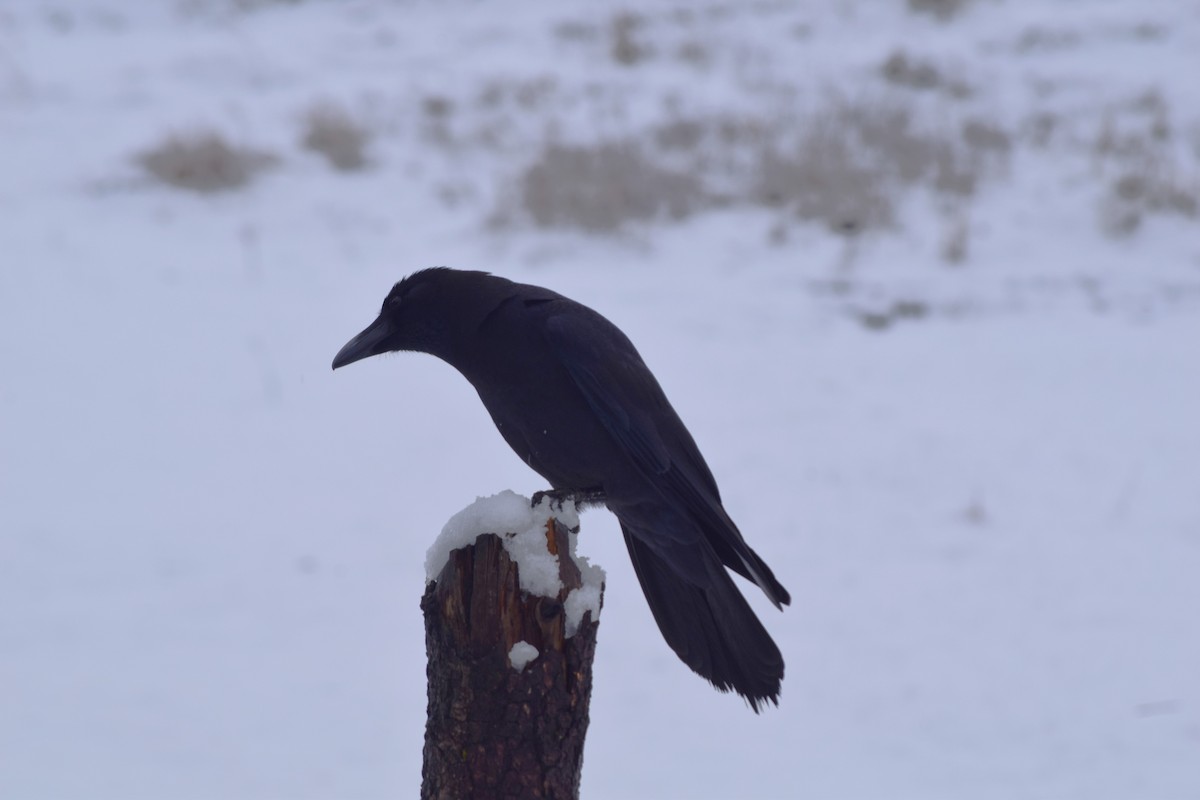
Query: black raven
[{"x": 571, "y": 395}]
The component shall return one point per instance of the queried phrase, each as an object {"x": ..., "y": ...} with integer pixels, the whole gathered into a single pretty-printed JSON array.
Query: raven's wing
[{"x": 632, "y": 407}]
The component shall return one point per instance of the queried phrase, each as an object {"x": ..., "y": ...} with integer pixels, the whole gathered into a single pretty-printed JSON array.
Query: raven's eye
[{"x": 391, "y": 302}]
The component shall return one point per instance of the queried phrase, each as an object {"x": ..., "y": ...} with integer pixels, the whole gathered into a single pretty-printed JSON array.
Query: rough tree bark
[{"x": 494, "y": 732}]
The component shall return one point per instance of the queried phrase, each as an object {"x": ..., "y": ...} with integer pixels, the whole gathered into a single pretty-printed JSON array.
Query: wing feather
[{"x": 632, "y": 407}]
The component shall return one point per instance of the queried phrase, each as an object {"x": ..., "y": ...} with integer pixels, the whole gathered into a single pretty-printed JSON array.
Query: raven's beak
[{"x": 368, "y": 343}]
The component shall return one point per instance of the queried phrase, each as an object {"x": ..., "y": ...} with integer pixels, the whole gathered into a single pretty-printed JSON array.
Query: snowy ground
[{"x": 925, "y": 288}]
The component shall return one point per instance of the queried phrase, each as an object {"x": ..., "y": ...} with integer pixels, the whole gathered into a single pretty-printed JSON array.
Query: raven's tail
[{"x": 710, "y": 627}]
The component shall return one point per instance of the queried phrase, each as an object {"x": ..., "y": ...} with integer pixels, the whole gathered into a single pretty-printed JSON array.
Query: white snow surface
[
  {"x": 521, "y": 654},
  {"x": 522, "y": 528},
  {"x": 977, "y": 477},
  {"x": 587, "y": 598},
  {"x": 508, "y": 515}
]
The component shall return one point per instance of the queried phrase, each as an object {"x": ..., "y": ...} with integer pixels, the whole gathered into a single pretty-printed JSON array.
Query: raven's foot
[{"x": 580, "y": 498}]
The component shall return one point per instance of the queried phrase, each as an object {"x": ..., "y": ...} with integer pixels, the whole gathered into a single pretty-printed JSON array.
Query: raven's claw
[{"x": 581, "y": 498}]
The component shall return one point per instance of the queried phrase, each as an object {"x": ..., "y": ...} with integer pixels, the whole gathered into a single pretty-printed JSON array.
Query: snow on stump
[{"x": 510, "y": 632}]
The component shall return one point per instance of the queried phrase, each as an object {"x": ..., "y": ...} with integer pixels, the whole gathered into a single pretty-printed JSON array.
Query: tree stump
[{"x": 493, "y": 731}]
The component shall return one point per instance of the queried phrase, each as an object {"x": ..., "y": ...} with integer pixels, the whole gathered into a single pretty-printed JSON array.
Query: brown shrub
[
  {"x": 599, "y": 188},
  {"x": 626, "y": 49},
  {"x": 331, "y": 131},
  {"x": 940, "y": 9},
  {"x": 851, "y": 160},
  {"x": 203, "y": 161}
]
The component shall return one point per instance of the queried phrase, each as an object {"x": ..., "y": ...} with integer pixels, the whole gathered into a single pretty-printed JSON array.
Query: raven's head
[
  {"x": 424, "y": 312},
  {"x": 399, "y": 326}
]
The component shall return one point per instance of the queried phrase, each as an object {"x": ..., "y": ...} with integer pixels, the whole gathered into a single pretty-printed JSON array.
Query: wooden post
[{"x": 493, "y": 731}]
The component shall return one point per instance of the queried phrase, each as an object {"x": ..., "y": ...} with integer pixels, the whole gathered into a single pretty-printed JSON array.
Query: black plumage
[{"x": 570, "y": 394}]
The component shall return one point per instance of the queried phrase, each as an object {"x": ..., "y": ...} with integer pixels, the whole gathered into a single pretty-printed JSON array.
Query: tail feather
[
  {"x": 710, "y": 627},
  {"x": 739, "y": 557}
]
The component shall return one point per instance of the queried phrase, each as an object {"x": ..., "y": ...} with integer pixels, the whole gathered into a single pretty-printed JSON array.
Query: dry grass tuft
[
  {"x": 437, "y": 106},
  {"x": 331, "y": 131},
  {"x": 1046, "y": 40},
  {"x": 574, "y": 31},
  {"x": 908, "y": 72},
  {"x": 824, "y": 179},
  {"x": 625, "y": 47},
  {"x": 1148, "y": 174},
  {"x": 682, "y": 135},
  {"x": 956, "y": 240},
  {"x": 898, "y": 311},
  {"x": 694, "y": 53},
  {"x": 204, "y": 161},
  {"x": 600, "y": 188},
  {"x": 986, "y": 137},
  {"x": 1153, "y": 189},
  {"x": 851, "y": 161},
  {"x": 255, "y": 5},
  {"x": 944, "y": 10}
]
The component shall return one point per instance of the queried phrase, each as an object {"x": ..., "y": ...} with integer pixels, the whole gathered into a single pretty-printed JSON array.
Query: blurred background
[{"x": 921, "y": 276}]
